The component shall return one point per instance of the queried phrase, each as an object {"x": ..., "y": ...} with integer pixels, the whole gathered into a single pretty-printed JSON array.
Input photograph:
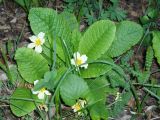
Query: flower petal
[
  {"x": 41, "y": 35},
  {"x": 31, "y": 45},
  {"x": 74, "y": 108},
  {"x": 76, "y": 55},
  {"x": 41, "y": 95},
  {"x": 82, "y": 102},
  {"x": 84, "y": 58},
  {"x": 47, "y": 92},
  {"x": 85, "y": 66},
  {"x": 73, "y": 62},
  {"x": 42, "y": 41},
  {"x": 35, "y": 82},
  {"x": 38, "y": 49},
  {"x": 33, "y": 38},
  {"x": 35, "y": 92}
]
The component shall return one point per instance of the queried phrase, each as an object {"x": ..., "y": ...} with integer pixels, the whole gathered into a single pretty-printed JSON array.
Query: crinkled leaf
[
  {"x": 127, "y": 35},
  {"x": 96, "y": 98},
  {"x": 14, "y": 73},
  {"x": 31, "y": 65},
  {"x": 97, "y": 39},
  {"x": 76, "y": 37},
  {"x": 70, "y": 20},
  {"x": 99, "y": 111},
  {"x": 48, "y": 21},
  {"x": 22, "y": 102},
  {"x": 73, "y": 88},
  {"x": 96, "y": 69},
  {"x": 43, "y": 20}
]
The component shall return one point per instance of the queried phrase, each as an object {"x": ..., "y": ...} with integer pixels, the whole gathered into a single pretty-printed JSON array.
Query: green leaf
[
  {"x": 70, "y": 20},
  {"x": 99, "y": 111},
  {"x": 50, "y": 75},
  {"x": 51, "y": 79},
  {"x": 48, "y": 81},
  {"x": 97, "y": 39},
  {"x": 127, "y": 35},
  {"x": 47, "y": 20},
  {"x": 143, "y": 77},
  {"x": 59, "y": 49},
  {"x": 156, "y": 44},
  {"x": 149, "y": 58},
  {"x": 76, "y": 37},
  {"x": 96, "y": 98},
  {"x": 31, "y": 65},
  {"x": 96, "y": 69},
  {"x": 20, "y": 103},
  {"x": 73, "y": 88},
  {"x": 14, "y": 73},
  {"x": 43, "y": 20}
]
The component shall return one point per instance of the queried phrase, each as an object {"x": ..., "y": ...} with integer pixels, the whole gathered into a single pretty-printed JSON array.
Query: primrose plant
[{"x": 65, "y": 66}]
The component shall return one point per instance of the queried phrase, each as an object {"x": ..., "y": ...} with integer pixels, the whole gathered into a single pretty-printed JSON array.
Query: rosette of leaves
[{"x": 102, "y": 41}]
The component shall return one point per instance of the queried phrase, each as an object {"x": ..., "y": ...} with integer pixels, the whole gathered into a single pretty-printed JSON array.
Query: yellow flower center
[
  {"x": 77, "y": 106},
  {"x": 38, "y": 42},
  {"x": 78, "y": 61},
  {"x": 43, "y": 90}
]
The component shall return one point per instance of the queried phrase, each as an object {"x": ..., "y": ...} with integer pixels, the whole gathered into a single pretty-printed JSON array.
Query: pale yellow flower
[
  {"x": 42, "y": 92},
  {"x": 79, "y": 60},
  {"x": 38, "y": 41},
  {"x": 78, "y": 106}
]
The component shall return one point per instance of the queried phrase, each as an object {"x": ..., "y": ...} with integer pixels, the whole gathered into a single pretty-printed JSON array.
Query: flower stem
[{"x": 57, "y": 101}]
